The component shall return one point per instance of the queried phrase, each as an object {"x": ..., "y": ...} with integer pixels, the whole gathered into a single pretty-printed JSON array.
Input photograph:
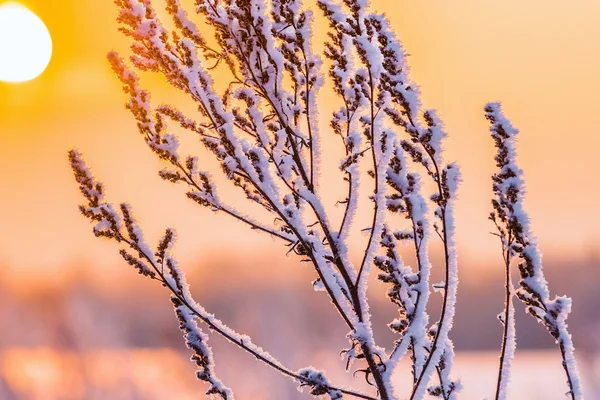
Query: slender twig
[
  {"x": 232, "y": 212},
  {"x": 442, "y": 320},
  {"x": 313, "y": 145},
  {"x": 371, "y": 240},
  {"x": 561, "y": 344},
  {"x": 346, "y": 219},
  {"x": 508, "y": 321}
]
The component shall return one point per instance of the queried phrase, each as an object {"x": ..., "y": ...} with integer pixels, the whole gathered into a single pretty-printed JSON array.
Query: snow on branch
[
  {"x": 400, "y": 101},
  {"x": 272, "y": 171},
  {"x": 518, "y": 240},
  {"x": 259, "y": 121},
  {"x": 410, "y": 289},
  {"x": 161, "y": 265}
]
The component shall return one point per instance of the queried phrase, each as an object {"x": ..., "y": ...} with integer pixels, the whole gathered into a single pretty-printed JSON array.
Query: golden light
[{"x": 25, "y": 44}]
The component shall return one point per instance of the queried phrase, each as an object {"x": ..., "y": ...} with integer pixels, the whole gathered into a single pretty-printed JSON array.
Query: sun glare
[{"x": 25, "y": 44}]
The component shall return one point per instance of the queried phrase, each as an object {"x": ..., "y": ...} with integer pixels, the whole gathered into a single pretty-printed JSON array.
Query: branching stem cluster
[{"x": 263, "y": 131}]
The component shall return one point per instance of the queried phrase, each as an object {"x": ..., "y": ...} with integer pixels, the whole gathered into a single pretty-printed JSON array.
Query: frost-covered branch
[
  {"x": 259, "y": 63},
  {"x": 425, "y": 149},
  {"x": 161, "y": 265},
  {"x": 248, "y": 169},
  {"x": 410, "y": 289},
  {"x": 259, "y": 122},
  {"x": 507, "y": 318},
  {"x": 513, "y": 223}
]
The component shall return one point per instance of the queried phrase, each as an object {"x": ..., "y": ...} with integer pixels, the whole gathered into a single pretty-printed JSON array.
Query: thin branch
[
  {"x": 508, "y": 334},
  {"x": 217, "y": 326},
  {"x": 371, "y": 240},
  {"x": 234, "y": 213}
]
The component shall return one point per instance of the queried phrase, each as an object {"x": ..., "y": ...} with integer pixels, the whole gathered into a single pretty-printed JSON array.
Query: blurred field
[
  {"x": 153, "y": 374},
  {"x": 114, "y": 336}
]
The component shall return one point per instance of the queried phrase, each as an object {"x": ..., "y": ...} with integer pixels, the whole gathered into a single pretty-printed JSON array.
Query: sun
[{"x": 25, "y": 44}]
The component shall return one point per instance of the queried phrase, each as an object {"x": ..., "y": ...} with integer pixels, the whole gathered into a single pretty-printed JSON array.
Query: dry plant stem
[
  {"x": 296, "y": 233},
  {"x": 315, "y": 263},
  {"x": 353, "y": 289},
  {"x": 434, "y": 346},
  {"x": 417, "y": 242},
  {"x": 215, "y": 328},
  {"x": 371, "y": 241},
  {"x": 345, "y": 224},
  {"x": 255, "y": 133},
  {"x": 300, "y": 167},
  {"x": 253, "y": 225},
  {"x": 309, "y": 183},
  {"x": 381, "y": 387},
  {"x": 561, "y": 344},
  {"x": 346, "y": 217},
  {"x": 445, "y": 395},
  {"x": 311, "y": 144},
  {"x": 510, "y": 215},
  {"x": 94, "y": 192},
  {"x": 356, "y": 302},
  {"x": 355, "y": 298},
  {"x": 417, "y": 245},
  {"x": 442, "y": 320},
  {"x": 373, "y": 367},
  {"x": 507, "y": 321},
  {"x": 296, "y": 153}
]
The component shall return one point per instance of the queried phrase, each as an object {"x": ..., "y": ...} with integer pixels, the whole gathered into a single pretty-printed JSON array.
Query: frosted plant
[
  {"x": 262, "y": 129},
  {"x": 518, "y": 241}
]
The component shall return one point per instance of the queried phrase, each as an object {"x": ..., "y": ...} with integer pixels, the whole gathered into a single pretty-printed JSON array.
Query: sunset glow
[
  {"x": 25, "y": 44},
  {"x": 80, "y": 322}
]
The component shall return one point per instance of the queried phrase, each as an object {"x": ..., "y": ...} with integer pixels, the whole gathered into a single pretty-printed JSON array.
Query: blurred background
[{"x": 76, "y": 323}]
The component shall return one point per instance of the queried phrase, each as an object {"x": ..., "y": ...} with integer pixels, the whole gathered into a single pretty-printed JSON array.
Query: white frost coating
[
  {"x": 166, "y": 145},
  {"x": 398, "y": 89},
  {"x": 215, "y": 323},
  {"x": 398, "y": 73},
  {"x": 442, "y": 340},
  {"x": 447, "y": 389},
  {"x": 196, "y": 341},
  {"x": 135, "y": 233},
  {"x": 318, "y": 384},
  {"x": 509, "y": 352},
  {"x": 383, "y": 149},
  {"x": 331, "y": 278},
  {"x": 307, "y": 74},
  {"x": 437, "y": 135},
  {"x": 146, "y": 262},
  {"x": 352, "y": 206},
  {"x": 509, "y": 190},
  {"x": 450, "y": 388},
  {"x": 241, "y": 340},
  {"x": 160, "y": 265},
  {"x": 408, "y": 187}
]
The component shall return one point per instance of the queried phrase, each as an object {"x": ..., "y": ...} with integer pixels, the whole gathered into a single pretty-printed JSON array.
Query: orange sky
[{"x": 539, "y": 58}]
